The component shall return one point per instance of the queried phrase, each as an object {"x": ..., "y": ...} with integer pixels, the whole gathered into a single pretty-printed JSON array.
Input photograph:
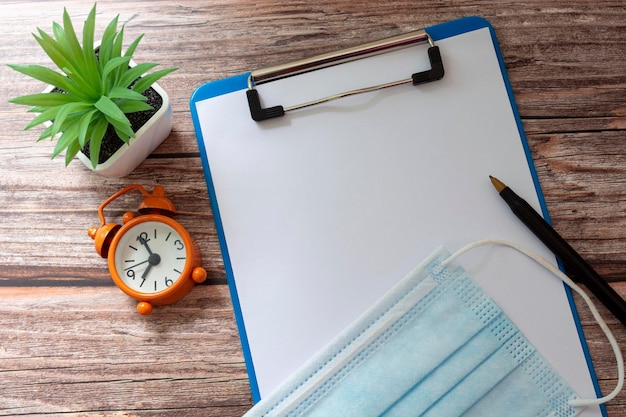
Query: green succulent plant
[{"x": 95, "y": 89}]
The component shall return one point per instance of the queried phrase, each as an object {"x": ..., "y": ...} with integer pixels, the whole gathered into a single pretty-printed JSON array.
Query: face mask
[{"x": 435, "y": 345}]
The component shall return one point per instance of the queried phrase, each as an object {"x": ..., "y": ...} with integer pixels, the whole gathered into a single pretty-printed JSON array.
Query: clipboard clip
[{"x": 278, "y": 72}]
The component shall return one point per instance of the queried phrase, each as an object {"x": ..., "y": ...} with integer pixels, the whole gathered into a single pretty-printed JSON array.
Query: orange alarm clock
[{"x": 151, "y": 257}]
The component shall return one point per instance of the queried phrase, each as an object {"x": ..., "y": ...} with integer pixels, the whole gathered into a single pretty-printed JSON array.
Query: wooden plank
[{"x": 87, "y": 350}]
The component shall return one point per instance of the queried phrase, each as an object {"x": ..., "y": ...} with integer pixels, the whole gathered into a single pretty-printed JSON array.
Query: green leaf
[
  {"x": 89, "y": 28},
  {"x": 54, "y": 50},
  {"x": 92, "y": 77},
  {"x": 110, "y": 67},
  {"x": 43, "y": 116},
  {"x": 44, "y": 99},
  {"x": 73, "y": 45},
  {"x": 126, "y": 94},
  {"x": 115, "y": 117},
  {"x": 124, "y": 136},
  {"x": 134, "y": 73},
  {"x": 134, "y": 106},
  {"x": 64, "y": 61},
  {"x": 92, "y": 89},
  {"x": 64, "y": 112},
  {"x": 72, "y": 149},
  {"x": 37, "y": 109},
  {"x": 110, "y": 109},
  {"x": 117, "y": 43},
  {"x": 45, "y": 134},
  {"x": 92, "y": 66},
  {"x": 124, "y": 131},
  {"x": 95, "y": 141},
  {"x": 147, "y": 80},
  {"x": 106, "y": 45},
  {"x": 83, "y": 126},
  {"x": 118, "y": 52},
  {"x": 131, "y": 49},
  {"x": 68, "y": 136},
  {"x": 49, "y": 76},
  {"x": 58, "y": 32}
]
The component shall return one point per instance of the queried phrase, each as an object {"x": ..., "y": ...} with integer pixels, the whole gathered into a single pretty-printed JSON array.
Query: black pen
[{"x": 570, "y": 258}]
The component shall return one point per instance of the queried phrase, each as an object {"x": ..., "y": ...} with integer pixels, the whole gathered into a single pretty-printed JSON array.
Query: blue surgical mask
[{"x": 435, "y": 345}]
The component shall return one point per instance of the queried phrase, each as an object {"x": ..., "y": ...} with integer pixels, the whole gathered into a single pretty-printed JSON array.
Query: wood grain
[
  {"x": 72, "y": 344},
  {"x": 85, "y": 350}
]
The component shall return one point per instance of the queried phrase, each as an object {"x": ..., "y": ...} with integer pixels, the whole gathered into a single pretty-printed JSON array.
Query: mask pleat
[
  {"x": 519, "y": 396},
  {"x": 449, "y": 374},
  {"x": 475, "y": 386}
]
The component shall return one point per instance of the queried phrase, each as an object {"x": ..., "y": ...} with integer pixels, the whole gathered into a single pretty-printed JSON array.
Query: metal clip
[{"x": 278, "y": 72}]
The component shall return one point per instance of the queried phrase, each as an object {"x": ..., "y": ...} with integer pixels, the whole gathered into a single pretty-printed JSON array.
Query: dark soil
[{"x": 111, "y": 142}]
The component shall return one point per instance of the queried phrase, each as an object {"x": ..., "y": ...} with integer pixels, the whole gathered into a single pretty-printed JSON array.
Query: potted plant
[{"x": 102, "y": 106}]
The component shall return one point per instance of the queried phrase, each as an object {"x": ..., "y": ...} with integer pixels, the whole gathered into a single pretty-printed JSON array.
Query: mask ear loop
[{"x": 579, "y": 402}]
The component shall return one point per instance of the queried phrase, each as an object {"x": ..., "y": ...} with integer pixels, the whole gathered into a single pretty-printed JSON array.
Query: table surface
[{"x": 72, "y": 344}]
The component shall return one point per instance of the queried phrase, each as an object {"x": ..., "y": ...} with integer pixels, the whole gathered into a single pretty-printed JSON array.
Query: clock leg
[
  {"x": 198, "y": 275},
  {"x": 144, "y": 308}
]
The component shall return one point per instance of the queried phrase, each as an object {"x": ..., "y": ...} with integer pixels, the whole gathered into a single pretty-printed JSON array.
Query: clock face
[{"x": 150, "y": 257}]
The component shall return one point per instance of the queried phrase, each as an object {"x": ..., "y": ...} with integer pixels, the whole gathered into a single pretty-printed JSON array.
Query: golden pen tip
[{"x": 499, "y": 185}]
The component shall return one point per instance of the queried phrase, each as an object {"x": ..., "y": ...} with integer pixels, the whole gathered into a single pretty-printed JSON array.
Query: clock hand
[
  {"x": 153, "y": 259},
  {"x": 143, "y": 276},
  {"x": 133, "y": 266},
  {"x": 144, "y": 242}
]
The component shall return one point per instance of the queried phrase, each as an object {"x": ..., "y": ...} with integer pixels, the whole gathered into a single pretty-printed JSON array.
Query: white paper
[{"x": 326, "y": 208}]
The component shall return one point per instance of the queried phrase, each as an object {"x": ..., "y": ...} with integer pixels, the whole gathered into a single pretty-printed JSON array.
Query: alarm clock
[{"x": 151, "y": 257}]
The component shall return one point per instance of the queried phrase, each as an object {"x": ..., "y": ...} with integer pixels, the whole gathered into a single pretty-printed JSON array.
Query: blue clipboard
[{"x": 354, "y": 175}]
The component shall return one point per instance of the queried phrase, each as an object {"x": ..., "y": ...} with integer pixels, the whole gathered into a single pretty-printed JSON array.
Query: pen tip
[{"x": 499, "y": 185}]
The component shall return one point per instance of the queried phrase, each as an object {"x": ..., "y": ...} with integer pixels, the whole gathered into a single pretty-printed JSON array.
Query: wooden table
[{"x": 72, "y": 344}]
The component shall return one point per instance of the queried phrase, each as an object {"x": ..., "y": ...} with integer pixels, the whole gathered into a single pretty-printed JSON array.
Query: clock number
[
  {"x": 168, "y": 282},
  {"x": 130, "y": 274},
  {"x": 143, "y": 237},
  {"x": 179, "y": 245}
]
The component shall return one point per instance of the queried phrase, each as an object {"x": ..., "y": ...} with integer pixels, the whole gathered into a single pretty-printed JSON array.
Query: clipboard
[{"x": 322, "y": 208}]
